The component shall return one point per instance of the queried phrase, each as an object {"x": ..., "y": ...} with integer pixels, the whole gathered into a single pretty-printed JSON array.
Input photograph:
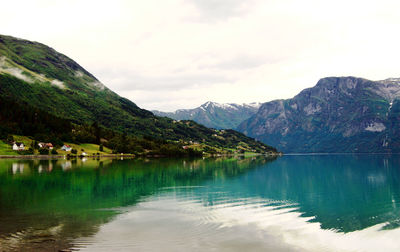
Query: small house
[
  {"x": 66, "y": 147},
  {"x": 46, "y": 145},
  {"x": 18, "y": 146}
]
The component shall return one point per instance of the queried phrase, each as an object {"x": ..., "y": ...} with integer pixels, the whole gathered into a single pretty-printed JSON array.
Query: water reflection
[
  {"x": 168, "y": 223},
  {"x": 297, "y": 203},
  {"x": 204, "y": 203},
  {"x": 17, "y": 168},
  {"x": 50, "y": 202}
]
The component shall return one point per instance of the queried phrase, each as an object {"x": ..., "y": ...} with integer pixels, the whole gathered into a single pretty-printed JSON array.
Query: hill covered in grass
[{"x": 37, "y": 80}]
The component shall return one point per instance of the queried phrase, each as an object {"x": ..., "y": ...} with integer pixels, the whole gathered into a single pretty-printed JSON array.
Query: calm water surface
[{"x": 292, "y": 203}]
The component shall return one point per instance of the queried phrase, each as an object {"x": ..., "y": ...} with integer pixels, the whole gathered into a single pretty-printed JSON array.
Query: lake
[{"x": 289, "y": 203}]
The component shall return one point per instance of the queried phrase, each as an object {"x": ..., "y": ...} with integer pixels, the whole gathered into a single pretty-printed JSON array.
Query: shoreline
[
  {"x": 63, "y": 156},
  {"x": 121, "y": 156}
]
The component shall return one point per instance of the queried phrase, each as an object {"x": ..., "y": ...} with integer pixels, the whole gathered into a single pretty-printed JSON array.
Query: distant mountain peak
[
  {"x": 208, "y": 103},
  {"x": 230, "y": 105},
  {"x": 214, "y": 114}
]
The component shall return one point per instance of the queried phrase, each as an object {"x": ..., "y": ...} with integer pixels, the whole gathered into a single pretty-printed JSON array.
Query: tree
[
  {"x": 44, "y": 151},
  {"x": 97, "y": 132},
  {"x": 10, "y": 138}
]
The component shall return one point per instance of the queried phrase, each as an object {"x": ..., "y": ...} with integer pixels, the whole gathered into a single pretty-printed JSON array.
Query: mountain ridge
[
  {"x": 338, "y": 114},
  {"x": 215, "y": 115}
]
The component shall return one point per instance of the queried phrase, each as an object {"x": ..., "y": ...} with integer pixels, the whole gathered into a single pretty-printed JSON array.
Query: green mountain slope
[
  {"x": 36, "y": 75},
  {"x": 215, "y": 115},
  {"x": 344, "y": 114}
]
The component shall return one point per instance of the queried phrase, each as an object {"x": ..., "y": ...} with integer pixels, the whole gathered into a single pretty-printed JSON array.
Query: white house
[
  {"x": 66, "y": 148},
  {"x": 18, "y": 146}
]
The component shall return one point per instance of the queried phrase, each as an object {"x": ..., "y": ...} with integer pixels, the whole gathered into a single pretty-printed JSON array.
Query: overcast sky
[{"x": 170, "y": 54}]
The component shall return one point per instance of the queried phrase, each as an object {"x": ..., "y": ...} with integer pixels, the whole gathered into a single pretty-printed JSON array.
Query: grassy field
[
  {"x": 200, "y": 147},
  {"x": 24, "y": 139},
  {"x": 90, "y": 149},
  {"x": 6, "y": 149},
  {"x": 93, "y": 149},
  {"x": 87, "y": 148}
]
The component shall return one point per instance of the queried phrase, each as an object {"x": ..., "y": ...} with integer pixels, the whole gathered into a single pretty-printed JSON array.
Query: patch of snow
[
  {"x": 219, "y": 105},
  {"x": 233, "y": 106},
  {"x": 227, "y": 106},
  {"x": 390, "y": 108},
  {"x": 388, "y": 80},
  {"x": 375, "y": 127},
  {"x": 253, "y": 104},
  {"x": 206, "y": 104}
]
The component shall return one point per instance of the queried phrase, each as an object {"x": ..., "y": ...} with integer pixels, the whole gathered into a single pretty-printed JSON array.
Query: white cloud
[{"x": 180, "y": 53}]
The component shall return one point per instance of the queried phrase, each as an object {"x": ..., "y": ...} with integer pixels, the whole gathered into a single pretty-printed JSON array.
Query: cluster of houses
[
  {"x": 19, "y": 146},
  {"x": 46, "y": 145}
]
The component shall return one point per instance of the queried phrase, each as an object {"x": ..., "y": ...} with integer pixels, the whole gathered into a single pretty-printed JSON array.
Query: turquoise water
[{"x": 292, "y": 203}]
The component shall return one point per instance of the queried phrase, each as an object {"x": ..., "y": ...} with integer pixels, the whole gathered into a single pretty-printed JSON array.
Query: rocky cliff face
[
  {"x": 344, "y": 114},
  {"x": 215, "y": 115}
]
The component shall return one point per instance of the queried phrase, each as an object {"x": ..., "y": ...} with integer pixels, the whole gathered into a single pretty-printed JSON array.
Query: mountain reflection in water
[{"x": 338, "y": 202}]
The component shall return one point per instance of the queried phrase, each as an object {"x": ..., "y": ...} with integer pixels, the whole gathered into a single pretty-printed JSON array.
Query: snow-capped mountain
[{"x": 215, "y": 115}]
